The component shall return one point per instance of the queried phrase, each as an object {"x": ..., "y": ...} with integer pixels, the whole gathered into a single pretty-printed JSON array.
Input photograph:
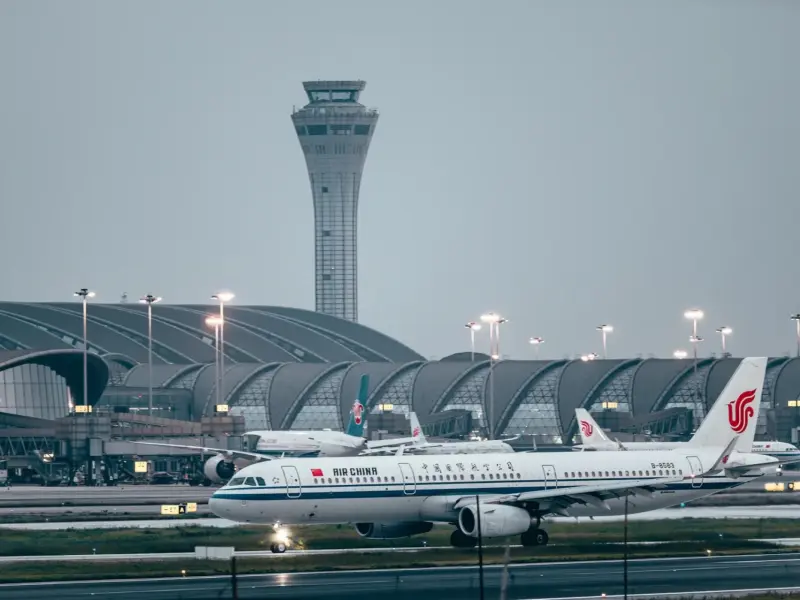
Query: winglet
[{"x": 723, "y": 458}]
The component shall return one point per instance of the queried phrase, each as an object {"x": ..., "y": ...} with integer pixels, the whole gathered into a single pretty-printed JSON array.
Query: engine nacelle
[
  {"x": 218, "y": 470},
  {"x": 388, "y": 531},
  {"x": 497, "y": 520}
]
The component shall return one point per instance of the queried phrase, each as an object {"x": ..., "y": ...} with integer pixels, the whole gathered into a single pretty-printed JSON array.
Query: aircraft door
[
  {"x": 293, "y": 489},
  {"x": 696, "y": 469},
  {"x": 409, "y": 484},
  {"x": 550, "y": 478}
]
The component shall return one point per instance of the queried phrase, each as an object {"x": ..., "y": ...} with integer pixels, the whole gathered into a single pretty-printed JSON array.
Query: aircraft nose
[{"x": 217, "y": 505}]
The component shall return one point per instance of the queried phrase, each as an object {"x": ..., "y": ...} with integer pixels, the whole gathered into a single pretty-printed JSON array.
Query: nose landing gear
[{"x": 277, "y": 547}]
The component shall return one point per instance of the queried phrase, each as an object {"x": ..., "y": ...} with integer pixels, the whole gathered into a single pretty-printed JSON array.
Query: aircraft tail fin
[
  {"x": 734, "y": 415},
  {"x": 355, "y": 426},
  {"x": 416, "y": 430},
  {"x": 592, "y": 435}
]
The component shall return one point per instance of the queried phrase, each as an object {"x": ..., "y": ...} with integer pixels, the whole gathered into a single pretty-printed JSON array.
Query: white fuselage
[
  {"x": 486, "y": 447},
  {"x": 323, "y": 443},
  {"x": 425, "y": 488}
]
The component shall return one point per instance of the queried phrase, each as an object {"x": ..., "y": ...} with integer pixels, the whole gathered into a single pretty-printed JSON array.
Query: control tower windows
[
  {"x": 333, "y": 96},
  {"x": 341, "y": 129},
  {"x": 301, "y": 129},
  {"x": 317, "y": 130},
  {"x": 362, "y": 129}
]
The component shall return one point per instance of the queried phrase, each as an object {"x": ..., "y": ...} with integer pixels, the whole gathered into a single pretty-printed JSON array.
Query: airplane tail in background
[
  {"x": 592, "y": 435},
  {"x": 355, "y": 426},
  {"x": 416, "y": 430},
  {"x": 735, "y": 413}
]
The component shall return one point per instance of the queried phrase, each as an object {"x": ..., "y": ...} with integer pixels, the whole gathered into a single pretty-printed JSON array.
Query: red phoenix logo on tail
[
  {"x": 358, "y": 408},
  {"x": 740, "y": 411},
  {"x": 415, "y": 433},
  {"x": 586, "y": 428}
]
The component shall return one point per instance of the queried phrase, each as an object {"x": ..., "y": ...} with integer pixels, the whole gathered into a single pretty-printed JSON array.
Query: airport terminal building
[{"x": 295, "y": 369}]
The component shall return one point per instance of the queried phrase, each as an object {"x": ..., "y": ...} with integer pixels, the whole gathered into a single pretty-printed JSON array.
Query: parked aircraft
[
  {"x": 499, "y": 495},
  {"x": 594, "y": 438},
  {"x": 275, "y": 444},
  {"x": 421, "y": 445}
]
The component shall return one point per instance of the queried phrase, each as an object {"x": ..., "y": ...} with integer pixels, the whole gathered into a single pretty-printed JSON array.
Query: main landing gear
[
  {"x": 535, "y": 536},
  {"x": 462, "y": 540}
]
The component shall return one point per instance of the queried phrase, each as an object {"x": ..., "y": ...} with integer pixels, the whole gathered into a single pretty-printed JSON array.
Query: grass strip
[{"x": 184, "y": 539}]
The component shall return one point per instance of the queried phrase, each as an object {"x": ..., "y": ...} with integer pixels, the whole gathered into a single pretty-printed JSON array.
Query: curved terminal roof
[
  {"x": 253, "y": 334},
  {"x": 68, "y": 364},
  {"x": 529, "y": 396}
]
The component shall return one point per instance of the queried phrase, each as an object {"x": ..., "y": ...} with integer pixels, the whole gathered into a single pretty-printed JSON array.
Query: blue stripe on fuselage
[{"x": 377, "y": 490}]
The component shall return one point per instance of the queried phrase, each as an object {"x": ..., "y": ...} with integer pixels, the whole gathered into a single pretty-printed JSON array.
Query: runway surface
[
  {"x": 791, "y": 511},
  {"x": 153, "y": 557},
  {"x": 532, "y": 581}
]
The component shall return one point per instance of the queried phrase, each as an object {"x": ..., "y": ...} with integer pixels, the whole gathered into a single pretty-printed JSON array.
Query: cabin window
[
  {"x": 519, "y": 475},
  {"x": 680, "y": 471},
  {"x": 392, "y": 478},
  {"x": 462, "y": 477},
  {"x": 472, "y": 476},
  {"x": 627, "y": 473}
]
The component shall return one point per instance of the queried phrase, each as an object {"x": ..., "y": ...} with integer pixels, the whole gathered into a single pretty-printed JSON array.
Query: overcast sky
[{"x": 564, "y": 163}]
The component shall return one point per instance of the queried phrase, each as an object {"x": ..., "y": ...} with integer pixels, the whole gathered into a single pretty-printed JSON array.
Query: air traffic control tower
[{"x": 335, "y": 132}]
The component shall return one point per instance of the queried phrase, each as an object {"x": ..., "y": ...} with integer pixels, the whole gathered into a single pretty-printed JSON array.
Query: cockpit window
[
  {"x": 250, "y": 481},
  {"x": 236, "y": 481},
  {"x": 261, "y": 481}
]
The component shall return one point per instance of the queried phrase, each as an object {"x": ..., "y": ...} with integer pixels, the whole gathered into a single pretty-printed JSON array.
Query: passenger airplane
[
  {"x": 422, "y": 446},
  {"x": 276, "y": 444},
  {"x": 502, "y": 494},
  {"x": 594, "y": 438}
]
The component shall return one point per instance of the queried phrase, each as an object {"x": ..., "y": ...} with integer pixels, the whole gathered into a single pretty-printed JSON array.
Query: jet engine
[
  {"x": 388, "y": 531},
  {"x": 497, "y": 520},
  {"x": 219, "y": 470}
]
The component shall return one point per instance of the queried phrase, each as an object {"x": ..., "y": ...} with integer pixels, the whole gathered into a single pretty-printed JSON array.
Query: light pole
[
  {"x": 473, "y": 327},
  {"x": 222, "y": 298},
  {"x": 724, "y": 332},
  {"x": 494, "y": 320},
  {"x": 216, "y": 323},
  {"x": 84, "y": 294},
  {"x": 536, "y": 342},
  {"x": 680, "y": 354},
  {"x": 694, "y": 315},
  {"x": 796, "y": 319},
  {"x": 150, "y": 300},
  {"x": 605, "y": 330}
]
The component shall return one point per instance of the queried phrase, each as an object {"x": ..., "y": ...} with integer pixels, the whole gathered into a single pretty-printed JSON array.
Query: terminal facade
[{"x": 296, "y": 369}]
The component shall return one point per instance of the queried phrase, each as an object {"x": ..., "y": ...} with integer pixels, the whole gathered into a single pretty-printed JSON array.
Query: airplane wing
[
  {"x": 406, "y": 448},
  {"x": 559, "y": 500},
  {"x": 229, "y": 453},
  {"x": 393, "y": 442}
]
